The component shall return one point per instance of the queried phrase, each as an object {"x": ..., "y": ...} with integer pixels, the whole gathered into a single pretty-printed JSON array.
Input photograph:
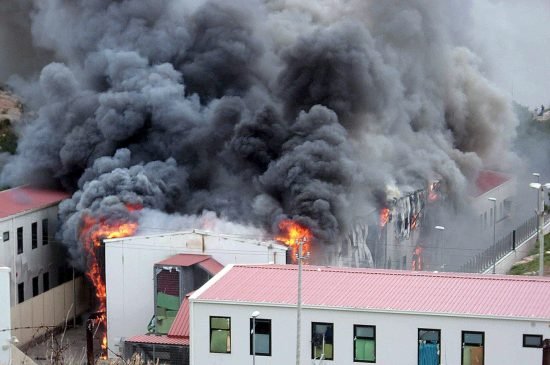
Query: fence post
[{"x": 514, "y": 240}]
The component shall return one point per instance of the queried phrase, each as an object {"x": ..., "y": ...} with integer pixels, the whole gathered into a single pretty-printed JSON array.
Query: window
[
  {"x": 19, "y": 240},
  {"x": 404, "y": 266},
  {"x": 532, "y": 341},
  {"x": 46, "y": 281},
  {"x": 6, "y": 236},
  {"x": 263, "y": 336},
  {"x": 322, "y": 345},
  {"x": 45, "y": 233},
  {"x": 220, "y": 335},
  {"x": 34, "y": 235},
  {"x": 473, "y": 348},
  {"x": 429, "y": 346},
  {"x": 20, "y": 292},
  {"x": 364, "y": 343},
  {"x": 35, "y": 290}
]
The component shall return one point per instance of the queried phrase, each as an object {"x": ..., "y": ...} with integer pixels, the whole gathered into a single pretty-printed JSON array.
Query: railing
[{"x": 484, "y": 260}]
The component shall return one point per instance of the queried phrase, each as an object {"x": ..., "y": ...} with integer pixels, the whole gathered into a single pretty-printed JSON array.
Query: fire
[
  {"x": 384, "y": 216},
  {"x": 292, "y": 234},
  {"x": 92, "y": 233}
]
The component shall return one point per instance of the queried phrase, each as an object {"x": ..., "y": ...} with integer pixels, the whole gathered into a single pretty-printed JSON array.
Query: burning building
[{"x": 258, "y": 112}]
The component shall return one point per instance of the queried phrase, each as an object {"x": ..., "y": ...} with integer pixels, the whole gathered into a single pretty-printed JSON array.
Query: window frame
[
  {"x": 265, "y": 320},
  {"x": 219, "y": 329},
  {"x": 35, "y": 286},
  {"x": 355, "y": 326},
  {"x": 525, "y": 335},
  {"x": 313, "y": 345},
  {"x": 20, "y": 240},
  {"x": 472, "y": 344},
  {"x": 34, "y": 235},
  {"x": 438, "y": 330},
  {"x": 46, "y": 281},
  {"x": 45, "y": 232},
  {"x": 20, "y": 292}
]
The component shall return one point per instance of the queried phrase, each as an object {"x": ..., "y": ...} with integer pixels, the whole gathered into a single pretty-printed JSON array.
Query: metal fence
[{"x": 485, "y": 259}]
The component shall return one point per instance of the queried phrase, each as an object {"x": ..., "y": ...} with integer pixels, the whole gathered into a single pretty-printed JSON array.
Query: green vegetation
[
  {"x": 8, "y": 139},
  {"x": 533, "y": 265}
]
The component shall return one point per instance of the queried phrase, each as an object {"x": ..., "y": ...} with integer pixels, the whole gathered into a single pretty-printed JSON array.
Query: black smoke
[{"x": 255, "y": 110}]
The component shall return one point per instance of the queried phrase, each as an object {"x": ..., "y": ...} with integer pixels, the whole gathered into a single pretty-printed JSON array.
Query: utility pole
[
  {"x": 541, "y": 232},
  {"x": 299, "y": 305},
  {"x": 540, "y": 226}
]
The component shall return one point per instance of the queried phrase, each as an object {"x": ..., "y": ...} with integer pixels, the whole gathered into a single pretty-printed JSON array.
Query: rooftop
[
  {"x": 22, "y": 199},
  {"x": 204, "y": 261},
  {"x": 383, "y": 290},
  {"x": 487, "y": 180}
]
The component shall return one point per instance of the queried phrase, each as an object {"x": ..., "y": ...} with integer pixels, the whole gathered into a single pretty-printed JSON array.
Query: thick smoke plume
[{"x": 255, "y": 110}]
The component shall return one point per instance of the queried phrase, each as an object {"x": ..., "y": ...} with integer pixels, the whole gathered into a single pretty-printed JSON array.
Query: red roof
[
  {"x": 159, "y": 340},
  {"x": 385, "y": 290},
  {"x": 204, "y": 261},
  {"x": 23, "y": 198},
  {"x": 180, "y": 326},
  {"x": 488, "y": 180}
]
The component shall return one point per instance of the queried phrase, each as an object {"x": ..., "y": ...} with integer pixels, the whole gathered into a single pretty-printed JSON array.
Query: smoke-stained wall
[{"x": 255, "y": 110}]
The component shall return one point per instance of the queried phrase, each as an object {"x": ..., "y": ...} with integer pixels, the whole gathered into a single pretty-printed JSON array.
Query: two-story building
[
  {"x": 374, "y": 316},
  {"x": 28, "y": 221}
]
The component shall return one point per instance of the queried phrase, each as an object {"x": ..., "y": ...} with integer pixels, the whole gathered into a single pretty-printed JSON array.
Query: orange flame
[
  {"x": 384, "y": 217},
  {"x": 433, "y": 194},
  {"x": 291, "y": 235},
  {"x": 93, "y": 231}
]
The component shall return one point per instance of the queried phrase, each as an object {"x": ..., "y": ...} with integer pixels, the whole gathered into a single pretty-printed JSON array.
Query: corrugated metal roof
[
  {"x": 180, "y": 326},
  {"x": 211, "y": 265},
  {"x": 159, "y": 340},
  {"x": 24, "y": 198},
  {"x": 385, "y": 290},
  {"x": 183, "y": 260}
]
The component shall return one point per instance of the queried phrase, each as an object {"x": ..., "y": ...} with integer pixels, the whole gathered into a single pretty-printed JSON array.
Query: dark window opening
[
  {"x": 19, "y": 240},
  {"x": 364, "y": 343},
  {"x": 46, "y": 281},
  {"x": 220, "y": 335},
  {"x": 262, "y": 336},
  {"x": 322, "y": 345},
  {"x": 20, "y": 292},
  {"x": 6, "y": 236},
  {"x": 532, "y": 341},
  {"x": 34, "y": 235},
  {"x": 45, "y": 233},
  {"x": 429, "y": 346},
  {"x": 473, "y": 351},
  {"x": 35, "y": 289}
]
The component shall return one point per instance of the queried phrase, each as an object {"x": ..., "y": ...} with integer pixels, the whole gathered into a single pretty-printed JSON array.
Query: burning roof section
[
  {"x": 24, "y": 199},
  {"x": 488, "y": 180},
  {"x": 367, "y": 289}
]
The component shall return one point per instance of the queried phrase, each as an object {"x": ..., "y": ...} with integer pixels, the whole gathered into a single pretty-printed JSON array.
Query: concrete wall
[
  {"x": 396, "y": 336},
  {"x": 129, "y": 272},
  {"x": 32, "y": 262},
  {"x": 50, "y": 309},
  {"x": 5, "y": 315}
]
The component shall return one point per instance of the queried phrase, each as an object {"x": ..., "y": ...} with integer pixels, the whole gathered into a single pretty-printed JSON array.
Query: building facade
[
  {"x": 28, "y": 222},
  {"x": 369, "y": 316},
  {"x": 131, "y": 260}
]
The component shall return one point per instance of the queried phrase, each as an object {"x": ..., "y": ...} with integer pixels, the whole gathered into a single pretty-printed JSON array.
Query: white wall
[
  {"x": 32, "y": 262},
  {"x": 5, "y": 322},
  {"x": 396, "y": 336},
  {"x": 482, "y": 205},
  {"x": 129, "y": 272}
]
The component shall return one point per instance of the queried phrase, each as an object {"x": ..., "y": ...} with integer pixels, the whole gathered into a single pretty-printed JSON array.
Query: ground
[{"x": 530, "y": 264}]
